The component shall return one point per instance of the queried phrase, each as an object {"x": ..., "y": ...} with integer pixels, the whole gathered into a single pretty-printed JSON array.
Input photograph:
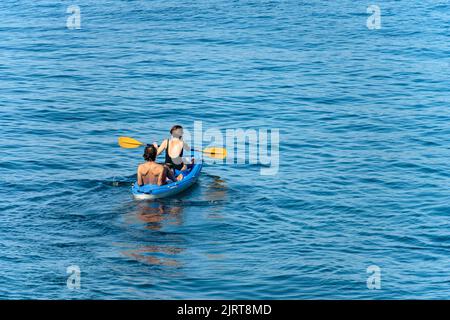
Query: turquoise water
[{"x": 363, "y": 177}]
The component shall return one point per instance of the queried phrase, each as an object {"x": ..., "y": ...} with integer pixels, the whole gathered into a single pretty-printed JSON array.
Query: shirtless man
[{"x": 151, "y": 172}]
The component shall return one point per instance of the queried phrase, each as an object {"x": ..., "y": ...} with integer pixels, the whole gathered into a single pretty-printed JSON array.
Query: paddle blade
[
  {"x": 129, "y": 143},
  {"x": 216, "y": 153}
]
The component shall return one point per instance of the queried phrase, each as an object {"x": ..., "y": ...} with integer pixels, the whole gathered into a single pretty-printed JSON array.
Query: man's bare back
[{"x": 151, "y": 172}]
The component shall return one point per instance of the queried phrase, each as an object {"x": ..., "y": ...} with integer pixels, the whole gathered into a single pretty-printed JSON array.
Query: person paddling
[
  {"x": 151, "y": 172},
  {"x": 174, "y": 147}
]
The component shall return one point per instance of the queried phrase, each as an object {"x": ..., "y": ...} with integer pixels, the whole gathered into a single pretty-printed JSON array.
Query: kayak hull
[{"x": 150, "y": 192}]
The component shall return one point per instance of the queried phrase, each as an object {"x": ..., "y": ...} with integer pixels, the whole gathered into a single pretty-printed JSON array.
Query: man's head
[
  {"x": 150, "y": 153},
  {"x": 177, "y": 131}
]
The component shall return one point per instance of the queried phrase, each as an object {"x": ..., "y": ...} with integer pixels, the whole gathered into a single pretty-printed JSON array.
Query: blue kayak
[{"x": 152, "y": 191}]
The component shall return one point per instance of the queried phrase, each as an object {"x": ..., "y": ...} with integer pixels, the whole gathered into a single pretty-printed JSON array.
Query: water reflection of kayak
[{"x": 152, "y": 191}]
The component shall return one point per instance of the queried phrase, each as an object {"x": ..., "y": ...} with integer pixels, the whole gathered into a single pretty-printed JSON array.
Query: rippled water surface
[{"x": 364, "y": 155}]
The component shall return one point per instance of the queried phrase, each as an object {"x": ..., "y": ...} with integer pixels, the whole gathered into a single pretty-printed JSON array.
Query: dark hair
[
  {"x": 175, "y": 127},
  {"x": 150, "y": 153}
]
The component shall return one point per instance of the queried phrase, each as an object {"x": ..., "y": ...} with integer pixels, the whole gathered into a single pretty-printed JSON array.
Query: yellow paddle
[
  {"x": 215, "y": 152},
  {"x": 212, "y": 152},
  {"x": 129, "y": 143}
]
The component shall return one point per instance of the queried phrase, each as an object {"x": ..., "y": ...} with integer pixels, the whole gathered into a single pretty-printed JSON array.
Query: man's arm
[
  {"x": 162, "y": 176},
  {"x": 169, "y": 173},
  {"x": 139, "y": 176}
]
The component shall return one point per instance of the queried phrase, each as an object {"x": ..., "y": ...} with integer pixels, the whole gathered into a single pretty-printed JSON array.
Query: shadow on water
[
  {"x": 153, "y": 214},
  {"x": 147, "y": 255},
  {"x": 160, "y": 224}
]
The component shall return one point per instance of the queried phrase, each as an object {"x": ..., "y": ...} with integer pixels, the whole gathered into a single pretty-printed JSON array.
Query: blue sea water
[{"x": 364, "y": 170}]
